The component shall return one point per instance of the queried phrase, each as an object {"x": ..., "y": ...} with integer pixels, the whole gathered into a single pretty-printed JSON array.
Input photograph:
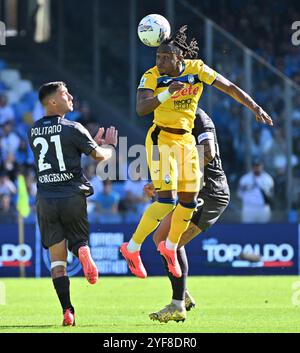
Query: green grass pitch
[{"x": 122, "y": 304}]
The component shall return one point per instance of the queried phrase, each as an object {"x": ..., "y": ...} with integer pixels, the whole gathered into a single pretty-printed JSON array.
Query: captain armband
[{"x": 208, "y": 135}]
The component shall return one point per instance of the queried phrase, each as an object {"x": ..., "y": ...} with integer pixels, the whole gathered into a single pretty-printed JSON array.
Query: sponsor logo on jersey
[
  {"x": 55, "y": 177},
  {"x": 188, "y": 91},
  {"x": 184, "y": 104}
]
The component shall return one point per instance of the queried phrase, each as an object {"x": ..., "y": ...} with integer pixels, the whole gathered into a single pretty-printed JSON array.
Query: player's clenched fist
[
  {"x": 149, "y": 190},
  {"x": 263, "y": 117},
  {"x": 176, "y": 86}
]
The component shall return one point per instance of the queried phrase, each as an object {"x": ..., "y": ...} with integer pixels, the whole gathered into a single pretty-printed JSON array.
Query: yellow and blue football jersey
[{"x": 179, "y": 111}]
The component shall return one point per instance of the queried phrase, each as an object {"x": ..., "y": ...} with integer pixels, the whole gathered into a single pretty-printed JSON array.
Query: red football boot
[
  {"x": 134, "y": 261},
  {"x": 69, "y": 318},
  {"x": 89, "y": 268},
  {"x": 171, "y": 258}
]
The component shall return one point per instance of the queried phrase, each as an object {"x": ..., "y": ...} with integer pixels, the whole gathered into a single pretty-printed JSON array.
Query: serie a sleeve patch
[
  {"x": 148, "y": 81},
  {"x": 142, "y": 82}
]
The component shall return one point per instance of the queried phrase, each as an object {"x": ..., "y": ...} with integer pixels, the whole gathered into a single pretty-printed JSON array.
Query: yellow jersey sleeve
[
  {"x": 148, "y": 81},
  {"x": 206, "y": 74}
]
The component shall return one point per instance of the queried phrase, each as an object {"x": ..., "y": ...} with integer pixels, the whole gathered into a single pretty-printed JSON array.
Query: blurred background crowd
[{"x": 265, "y": 29}]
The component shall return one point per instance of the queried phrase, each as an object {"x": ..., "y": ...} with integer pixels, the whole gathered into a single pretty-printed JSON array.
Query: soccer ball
[{"x": 153, "y": 29}]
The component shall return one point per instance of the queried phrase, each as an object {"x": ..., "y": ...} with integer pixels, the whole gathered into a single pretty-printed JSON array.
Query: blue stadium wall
[{"x": 215, "y": 252}]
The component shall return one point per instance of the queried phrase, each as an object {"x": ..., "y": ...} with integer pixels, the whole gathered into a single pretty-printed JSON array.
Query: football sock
[
  {"x": 181, "y": 282},
  {"x": 170, "y": 245},
  {"x": 180, "y": 221},
  {"x": 62, "y": 287},
  {"x": 133, "y": 246},
  {"x": 178, "y": 284},
  {"x": 171, "y": 277},
  {"x": 178, "y": 303},
  {"x": 151, "y": 219}
]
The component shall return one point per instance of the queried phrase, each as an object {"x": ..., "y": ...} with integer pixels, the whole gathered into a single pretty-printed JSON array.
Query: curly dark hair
[{"x": 179, "y": 40}]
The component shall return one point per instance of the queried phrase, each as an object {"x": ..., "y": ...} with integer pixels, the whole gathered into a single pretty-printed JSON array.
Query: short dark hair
[
  {"x": 48, "y": 88},
  {"x": 178, "y": 42}
]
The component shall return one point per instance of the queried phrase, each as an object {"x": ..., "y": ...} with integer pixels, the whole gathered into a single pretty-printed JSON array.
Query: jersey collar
[{"x": 182, "y": 68}]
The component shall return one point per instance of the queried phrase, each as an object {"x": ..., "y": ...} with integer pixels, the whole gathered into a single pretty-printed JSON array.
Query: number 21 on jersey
[{"x": 59, "y": 155}]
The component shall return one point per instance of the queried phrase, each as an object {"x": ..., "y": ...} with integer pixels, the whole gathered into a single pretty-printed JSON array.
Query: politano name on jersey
[{"x": 57, "y": 145}]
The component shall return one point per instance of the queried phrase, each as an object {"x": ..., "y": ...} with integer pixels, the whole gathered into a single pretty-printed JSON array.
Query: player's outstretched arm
[
  {"x": 242, "y": 97},
  {"x": 146, "y": 103}
]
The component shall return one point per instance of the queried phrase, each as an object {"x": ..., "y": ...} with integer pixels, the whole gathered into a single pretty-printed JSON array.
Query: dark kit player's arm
[
  {"x": 146, "y": 103},
  {"x": 101, "y": 154},
  {"x": 242, "y": 97},
  {"x": 209, "y": 150},
  {"x": 84, "y": 142}
]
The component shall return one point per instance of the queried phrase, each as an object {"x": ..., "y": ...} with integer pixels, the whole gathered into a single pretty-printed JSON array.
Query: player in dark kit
[
  {"x": 213, "y": 199},
  {"x": 57, "y": 144}
]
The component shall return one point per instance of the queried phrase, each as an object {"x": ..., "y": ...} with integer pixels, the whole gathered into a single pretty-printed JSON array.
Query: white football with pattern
[{"x": 153, "y": 29}]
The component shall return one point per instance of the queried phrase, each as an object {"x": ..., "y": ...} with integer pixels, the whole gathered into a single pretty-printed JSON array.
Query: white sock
[
  {"x": 170, "y": 245},
  {"x": 133, "y": 246},
  {"x": 178, "y": 303}
]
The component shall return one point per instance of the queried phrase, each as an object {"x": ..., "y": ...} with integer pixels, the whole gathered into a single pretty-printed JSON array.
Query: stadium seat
[
  {"x": 3, "y": 64},
  {"x": 3, "y": 86},
  {"x": 12, "y": 97},
  {"x": 21, "y": 127},
  {"x": 9, "y": 76},
  {"x": 21, "y": 87},
  {"x": 20, "y": 108},
  {"x": 30, "y": 98}
]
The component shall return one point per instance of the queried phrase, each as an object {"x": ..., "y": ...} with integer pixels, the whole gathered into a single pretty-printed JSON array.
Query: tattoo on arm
[{"x": 209, "y": 150}]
